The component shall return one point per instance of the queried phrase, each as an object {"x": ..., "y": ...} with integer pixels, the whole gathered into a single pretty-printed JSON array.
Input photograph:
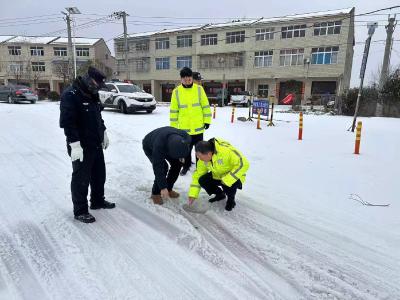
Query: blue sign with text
[{"x": 262, "y": 105}]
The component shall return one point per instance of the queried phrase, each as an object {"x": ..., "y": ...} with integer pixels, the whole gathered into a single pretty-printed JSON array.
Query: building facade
[
  {"x": 309, "y": 55},
  {"x": 43, "y": 62}
]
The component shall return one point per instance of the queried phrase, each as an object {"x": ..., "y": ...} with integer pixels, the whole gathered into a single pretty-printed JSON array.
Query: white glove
[
  {"x": 106, "y": 140},
  {"x": 76, "y": 151}
]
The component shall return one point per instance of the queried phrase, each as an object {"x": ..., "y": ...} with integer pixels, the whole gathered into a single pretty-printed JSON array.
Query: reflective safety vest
[
  {"x": 189, "y": 109},
  {"x": 227, "y": 164}
]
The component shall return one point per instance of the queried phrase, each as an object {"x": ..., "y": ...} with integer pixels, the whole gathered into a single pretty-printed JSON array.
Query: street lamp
[{"x": 73, "y": 11}]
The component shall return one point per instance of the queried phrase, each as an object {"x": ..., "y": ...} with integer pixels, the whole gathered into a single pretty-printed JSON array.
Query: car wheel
[
  {"x": 149, "y": 111},
  {"x": 122, "y": 107},
  {"x": 10, "y": 100},
  {"x": 33, "y": 101}
]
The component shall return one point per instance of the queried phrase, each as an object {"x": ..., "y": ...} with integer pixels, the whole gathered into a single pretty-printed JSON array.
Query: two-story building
[
  {"x": 43, "y": 62},
  {"x": 310, "y": 53}
]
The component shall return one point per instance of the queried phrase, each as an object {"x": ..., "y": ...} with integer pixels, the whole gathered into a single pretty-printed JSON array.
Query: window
[
  {"x": 209, "y": 39},
  {"x": 183, "y": 61},
  {"x": 16, "y": 68},
  {"x": 324, "y": 55},
  {"x": 162, "y": 63},
  {"x": 82, "y": 51},
  {"x": 263, "y": 90},
  {"x": 14, "y": 50},
  {"x": 263, "y": 59},
  {"x": 60, "y": 51},
  {"x": 291, "y": 57},
  {"x": 38, "y": 67},
  {"x": 110, "y": 87},
  {"x": 37, "y": 51},
  {"x": 120, "y": 47},
  {"x": 325, "y": 28},
  {"x": 264, "y": 34},
  {"x": 235, "y": 37},
  {"x": 293, "y": 31},
  {"x": 162, "y": 43},
  {"x": 184, "y": 41},
  {"x": 142, "y": 45}
]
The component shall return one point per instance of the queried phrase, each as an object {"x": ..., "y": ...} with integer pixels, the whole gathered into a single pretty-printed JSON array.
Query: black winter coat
[
  {"x": 80, "y": 116},
  {"x": 165, "y": 143}
]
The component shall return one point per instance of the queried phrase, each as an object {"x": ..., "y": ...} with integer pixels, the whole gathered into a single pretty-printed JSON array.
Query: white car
[
  {"x": 127, "y": 98},
  {"x": 244, "y": 98}
]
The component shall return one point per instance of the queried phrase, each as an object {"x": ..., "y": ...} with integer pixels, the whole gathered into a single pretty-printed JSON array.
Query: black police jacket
[
  {"x": 80, "y": 116},
  {"x": 155, "y": 146}
]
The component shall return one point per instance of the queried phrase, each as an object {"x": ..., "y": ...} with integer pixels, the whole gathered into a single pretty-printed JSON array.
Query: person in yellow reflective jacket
[
  {"x": 190, "y": 111},
  {"x": 220, "y": 165}
]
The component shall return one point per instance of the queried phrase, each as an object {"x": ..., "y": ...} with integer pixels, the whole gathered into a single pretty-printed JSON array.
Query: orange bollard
[
  {"x": 233, "y": 114},
  {"x": 258, "y": 119},
  {"x": 215, "y": 111},
  {"x": 358, "y": 138},
  {"x": 301, "y": 126}
]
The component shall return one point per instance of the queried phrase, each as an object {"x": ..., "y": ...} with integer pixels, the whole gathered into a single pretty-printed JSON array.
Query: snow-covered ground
[{"x": 296, "y": 233}]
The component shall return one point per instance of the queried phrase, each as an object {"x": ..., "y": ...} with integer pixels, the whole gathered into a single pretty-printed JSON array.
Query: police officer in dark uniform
[
  {"x": 166, "y": 148},
  {"x": 80, "y": 117}
]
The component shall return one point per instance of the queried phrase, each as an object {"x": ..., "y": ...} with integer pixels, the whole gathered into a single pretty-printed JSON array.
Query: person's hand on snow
[
  {"x": 106, "y": 140},
  {"x": 206, "y": 126},
  {"x": 164, "y": 194},
  {"x": 76, "y": 151},
  {"x": 191, "y": 200}
]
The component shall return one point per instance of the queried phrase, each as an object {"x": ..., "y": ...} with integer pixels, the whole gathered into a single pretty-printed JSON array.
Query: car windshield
[{"x": 129, "y": 88}]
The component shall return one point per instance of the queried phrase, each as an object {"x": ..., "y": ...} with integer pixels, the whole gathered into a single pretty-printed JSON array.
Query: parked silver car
[{"x": 17, "y": 93}]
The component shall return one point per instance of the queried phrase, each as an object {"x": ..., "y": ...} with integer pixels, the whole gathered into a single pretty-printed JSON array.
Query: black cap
[
  {"x": 97, "y": 75},
  {"x": 197, "y": 76},
  {"x": 186, "y": 72},
  {"x": 178, "y": 146}
]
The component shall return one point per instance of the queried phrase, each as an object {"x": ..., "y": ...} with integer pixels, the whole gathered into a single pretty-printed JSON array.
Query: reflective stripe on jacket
[
  {"x": 190, "y": 109},
  {"x": 227, "y": 164}
]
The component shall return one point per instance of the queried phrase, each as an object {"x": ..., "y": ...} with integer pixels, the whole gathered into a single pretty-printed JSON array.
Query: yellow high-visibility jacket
[
  {"x": 189, "y": 109},
  {"x": 227, "y": 164}
]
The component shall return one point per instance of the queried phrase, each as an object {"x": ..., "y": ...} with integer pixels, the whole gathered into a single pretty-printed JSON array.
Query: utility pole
[
  {"x": 386, "y": 62},
  {"x": 70, "y": 51},
  {"x": 123, "y": 15},
  {"x": 71, "y": 45},
  {"x": 371, "y": 29}
]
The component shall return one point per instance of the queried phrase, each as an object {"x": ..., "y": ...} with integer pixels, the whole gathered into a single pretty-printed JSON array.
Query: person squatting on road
[
  {"x": 219, "y": 165},
  {"x": 190, "y": 111},
  {"x": 86, "y": 135},
  {"x": 163, "y": 146}
]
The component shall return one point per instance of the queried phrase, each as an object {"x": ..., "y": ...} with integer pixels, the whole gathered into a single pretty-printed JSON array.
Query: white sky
[{"x": 48, "y": 19}]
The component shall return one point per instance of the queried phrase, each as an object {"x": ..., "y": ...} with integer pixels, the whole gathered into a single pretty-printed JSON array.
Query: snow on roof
[
  {"x": 32, "y": 39},
  {"x": 78, "y": 41},
  {"x": 4, "y": 38},
  {"x": 246, "y": 22}
]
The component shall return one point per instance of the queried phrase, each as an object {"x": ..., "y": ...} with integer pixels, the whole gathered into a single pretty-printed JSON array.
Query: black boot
[
  {"x": 230, "y": 204},
  {"x": 85, "y": 218},
  {"x": 105, "y": 205},
  {"x": 218, "y": 197},
  {"x": 184, "y": 171}
]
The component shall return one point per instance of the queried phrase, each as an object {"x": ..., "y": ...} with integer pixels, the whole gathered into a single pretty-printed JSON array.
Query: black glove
[{"x": 206, "y": 126}]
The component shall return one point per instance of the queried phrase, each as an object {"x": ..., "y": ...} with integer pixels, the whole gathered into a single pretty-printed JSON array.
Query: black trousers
[
  {"x": 171, "y": 171},
  {"x": 91, "y": 171},
  {"x": 195, "y": 139},
  {"x": 212, "y": 186}
]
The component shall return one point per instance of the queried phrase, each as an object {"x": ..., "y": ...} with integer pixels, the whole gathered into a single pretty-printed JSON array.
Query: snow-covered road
[{"x": 294, "y": 234}]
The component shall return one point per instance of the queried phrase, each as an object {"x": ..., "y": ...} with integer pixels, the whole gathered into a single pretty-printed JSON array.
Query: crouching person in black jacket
[
  {"x": 162, "y": 145},
  {"x": 80, "y": 116}
]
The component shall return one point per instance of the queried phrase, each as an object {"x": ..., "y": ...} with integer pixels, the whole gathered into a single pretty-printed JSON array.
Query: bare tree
[{"x": 62, "y": 69}]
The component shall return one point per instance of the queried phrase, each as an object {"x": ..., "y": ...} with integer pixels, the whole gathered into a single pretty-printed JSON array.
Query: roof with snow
[
  {"x": 4, "y": 38},
  {"x": 78, "y": 41},
  {"x": 47, "y": 40},
  {"x": 248, "y": 22}
]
